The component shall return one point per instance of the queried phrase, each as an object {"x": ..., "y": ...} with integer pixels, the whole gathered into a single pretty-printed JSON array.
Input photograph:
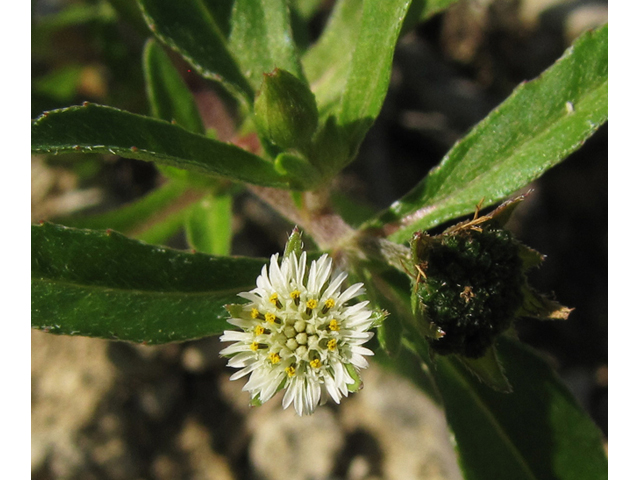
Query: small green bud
[
  {"x": 355, "y": 376},
  {"x": 285, "y": 110},
  {"x": 294, "y": 243}
]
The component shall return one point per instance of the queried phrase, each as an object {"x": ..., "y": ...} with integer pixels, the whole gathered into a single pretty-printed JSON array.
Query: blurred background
[{"x": 108, "y": 410}]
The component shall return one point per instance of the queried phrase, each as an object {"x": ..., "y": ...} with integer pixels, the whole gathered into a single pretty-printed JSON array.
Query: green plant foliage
[
  {"x": 134, "y": 218},
  {"x": 208, "y": 224},
  {"x": 537, "y": 432},
  {"x": 539, "y": 125},
  {"x": 189, "y": 28},
  {"x": 370, "y": 67},
  {"x": 130, "y": 12},
  {"x": 298, "y": 168},
  {"x": 285, "y": 110},
  {"x": 61, "y": 84},
  {"x": 100, "y": 129},
  {"x": 261, "y": 39},
  {"x": 326, "y": 63},
  {"x": 160, "y": 232},
  {"x": 220, "y": 10},
  {"x": 306, "y": 8},
  {"x": 102, "y": 284},
  {"x": 169, "y": 96},
  {"x": 422, "y": 10}
]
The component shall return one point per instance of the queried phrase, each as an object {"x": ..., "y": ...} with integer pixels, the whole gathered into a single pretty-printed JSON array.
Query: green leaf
[
  {"x": 60, "y": 84},
  {"x": 168, "y": 94},
  {"x": 370, "y": 69},
  {"x": 389, "y": 335},
  {"x": 170, "y": 100},
  {"x": 303, "y": 175},
  {"x": 130, "y": 12},
  {"x": 422, "y": 10},
  {"x": 410, "y": 366},
  {"x": 306, "y": 8},
  {"x": 102, "y": 284},
  {"x": 536, "y": 305},
  {"x": 326, "y": 63},
  {"x": 75, "y": 14},
  {"x": 162, "y": 231},
  {"x": 208, "y": 224},
  {"x": 261, "y": 39},
  {"x": 539, "y": 125},
  {"x": 530, "y": 257},
  {"x": 134, "y": 218},
  {"x": 99, "y": 129},
  {"x": 188, "y": 27},
  {"x": 220, "y": 10},
  {"x": 352, "y": 211},
  {"x": 537, "y": 432},
  {"x": 488, "y": 369}
]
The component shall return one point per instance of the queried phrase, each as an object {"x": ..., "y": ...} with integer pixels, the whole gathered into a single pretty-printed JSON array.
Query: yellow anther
[
  {"x": 291, "y": 370},
  {"x": 270, "y": 317},
  {"x": 255, "y": 313},
  {"x": 255, "y": 346},
  {"x": 274, "y": 300},
  {"x": 274, "y": 357},
  {"x": 332, "y": 344},
  {"x": 311, "y": 304},
  {"x": 259, "y": 330},
  {"x": 316, "y": 363},
  {"x": 333, "y": 325},
  {"x": 330, "y": 303},
  {"x": 295, "y": 295}
]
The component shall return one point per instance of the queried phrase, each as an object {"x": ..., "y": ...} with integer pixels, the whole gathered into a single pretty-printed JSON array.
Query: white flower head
[{"x": 299, "y": 334}]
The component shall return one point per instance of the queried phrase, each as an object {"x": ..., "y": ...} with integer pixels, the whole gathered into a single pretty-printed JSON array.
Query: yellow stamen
[
  {"x": 295, "y": 295},
  {"x": 291, "y": 370},
  {"x": 274, "y": 300},
  {"x": 274, "y": 357},
  {"x": 270, "y": 317},
  {"x": 259, "y": 330},
  {"x": 333, "y": 325},
  {"x": 255, "y": 313},
  {"x": 316, "y": 363},
  {"x": 311, "y": 304},
  {"x": 255, "y": 346},
  {"x": 332, "y": 344},
  {"x": 330, "y": 303}
]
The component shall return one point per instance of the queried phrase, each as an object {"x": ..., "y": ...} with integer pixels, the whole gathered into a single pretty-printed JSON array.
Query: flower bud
[{"x": 285, "y": 110}]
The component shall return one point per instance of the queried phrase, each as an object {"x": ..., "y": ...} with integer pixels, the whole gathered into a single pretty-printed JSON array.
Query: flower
[{"x": 298, "y": 334}]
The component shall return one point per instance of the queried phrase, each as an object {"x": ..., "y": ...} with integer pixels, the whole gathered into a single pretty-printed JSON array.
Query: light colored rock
[
  {"x": 296, "y": 448},
  {"x": 584, "y": 18},
  {"x": 530, "y": 10},
  {"x": 389, "y": 430},
  {"x": 69, "y": 378},
  {"x": 410, "y": 429},
  {"x": 204, "y": 463}
]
